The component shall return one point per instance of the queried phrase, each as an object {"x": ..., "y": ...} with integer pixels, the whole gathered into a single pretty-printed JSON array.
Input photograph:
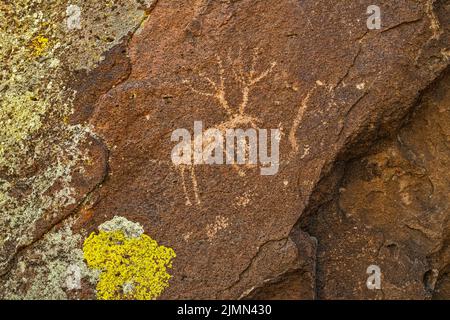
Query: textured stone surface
[
  {"x": 50, "y": 160},
  {"x": 392, "y": 210},
  {"x": 312, "y": 70}
]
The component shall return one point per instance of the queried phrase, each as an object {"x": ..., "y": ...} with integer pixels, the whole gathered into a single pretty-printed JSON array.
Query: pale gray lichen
[
  {"x": 50, "y": 261},
  {"x": 129, "y": 228},
  {"x": 128, "y": 288}
]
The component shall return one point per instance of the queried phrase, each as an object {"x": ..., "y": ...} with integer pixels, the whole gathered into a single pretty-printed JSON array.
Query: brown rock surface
[
  {"x": 181, "y": 43},
  {"x": 391, "y": 209},
  {"x": 333, "y": 88}
]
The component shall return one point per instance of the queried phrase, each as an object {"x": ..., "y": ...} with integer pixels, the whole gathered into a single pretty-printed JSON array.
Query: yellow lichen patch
[
  {"x": 131, "y": 268},
  {"x": 39, "y": 45}
]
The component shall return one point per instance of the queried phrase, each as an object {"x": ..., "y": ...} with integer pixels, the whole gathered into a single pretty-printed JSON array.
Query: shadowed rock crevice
[{"x": 388, "y": 207}]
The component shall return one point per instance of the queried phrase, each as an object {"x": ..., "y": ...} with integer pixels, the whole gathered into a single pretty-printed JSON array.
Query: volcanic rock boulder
[
  {"x": 248, "y": 65},
  {"x": 307, "y": 68}
]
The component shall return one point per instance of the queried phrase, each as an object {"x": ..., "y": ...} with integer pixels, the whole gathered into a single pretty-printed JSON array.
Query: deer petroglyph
[{"x": 237, "y": 116}]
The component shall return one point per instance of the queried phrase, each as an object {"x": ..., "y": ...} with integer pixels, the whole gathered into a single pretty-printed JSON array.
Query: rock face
[
  {"x": 391, "y": 209},
  {"x": 339, "y": 199},
  {"x": 48, "y": 163}
]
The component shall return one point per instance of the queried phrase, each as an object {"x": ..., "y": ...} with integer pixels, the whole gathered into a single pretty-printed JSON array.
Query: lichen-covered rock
[
  {"x": 52, "y": 269},
  {"x": 49, "y": 164},
  {"x": 92, "y": 92}
]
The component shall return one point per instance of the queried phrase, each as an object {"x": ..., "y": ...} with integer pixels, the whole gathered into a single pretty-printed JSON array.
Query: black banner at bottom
[{"x": 220, "y": 309}]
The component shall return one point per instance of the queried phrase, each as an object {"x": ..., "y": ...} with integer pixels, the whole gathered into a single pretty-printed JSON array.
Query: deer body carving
[{"x": 237, "y": 116}]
